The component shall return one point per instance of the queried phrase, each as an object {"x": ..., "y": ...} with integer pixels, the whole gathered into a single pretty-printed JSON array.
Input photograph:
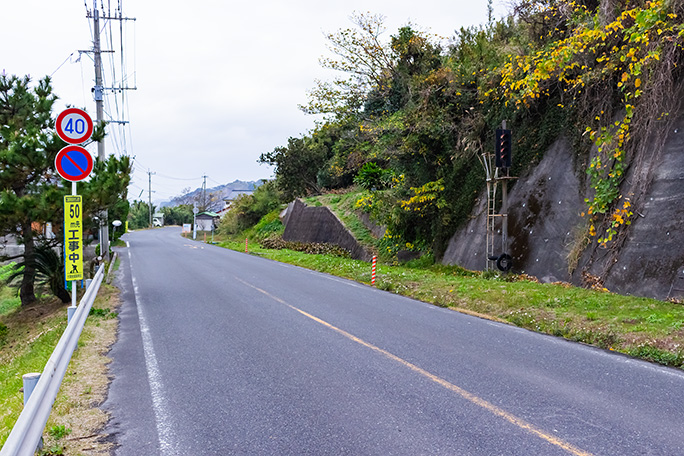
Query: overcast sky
[{"x": 218, "y": 83}]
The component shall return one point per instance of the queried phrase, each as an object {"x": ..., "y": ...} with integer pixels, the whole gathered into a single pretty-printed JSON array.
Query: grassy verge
[
  {"x": 342, "y": 205},
  {"x": 645, "y": 328},
  {"x": 30, "y": 335}
]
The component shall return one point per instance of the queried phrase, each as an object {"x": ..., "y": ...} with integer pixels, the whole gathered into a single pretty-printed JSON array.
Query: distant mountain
[{"x": 214, "y": 195}]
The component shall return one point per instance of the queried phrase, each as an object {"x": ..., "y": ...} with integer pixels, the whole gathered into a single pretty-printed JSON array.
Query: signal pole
[{"x": 504, "y": 204}]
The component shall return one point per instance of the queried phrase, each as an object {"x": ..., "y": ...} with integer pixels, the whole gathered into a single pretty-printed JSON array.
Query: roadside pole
[
  {"x": 194, "y": 222},
  {"x": 74, "y": 287}
]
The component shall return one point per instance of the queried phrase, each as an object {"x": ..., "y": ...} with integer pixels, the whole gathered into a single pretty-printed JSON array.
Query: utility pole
[
  {"x": 203, "y": 204},
  {"x": 150, "y": 173},
  {"x": 98, "y": 92}
]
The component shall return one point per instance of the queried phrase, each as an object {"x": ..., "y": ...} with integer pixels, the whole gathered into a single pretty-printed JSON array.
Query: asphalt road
[{"x": 225, "y": 353}]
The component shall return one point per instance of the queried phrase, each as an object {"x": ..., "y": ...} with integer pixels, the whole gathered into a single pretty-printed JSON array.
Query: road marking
[
  {"x": 164, "y": 432},
  {"x": 519, "y": 422}
]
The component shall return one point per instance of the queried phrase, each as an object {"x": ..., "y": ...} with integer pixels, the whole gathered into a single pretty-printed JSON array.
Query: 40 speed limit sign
[{"x": 74, "y": 126}]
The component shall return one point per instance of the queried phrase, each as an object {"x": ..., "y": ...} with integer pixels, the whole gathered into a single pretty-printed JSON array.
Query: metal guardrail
[{"x": 28, "y": 430}]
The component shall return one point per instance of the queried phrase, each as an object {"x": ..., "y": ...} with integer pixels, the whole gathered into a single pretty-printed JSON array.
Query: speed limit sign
[{"x": 74, "y": 126}]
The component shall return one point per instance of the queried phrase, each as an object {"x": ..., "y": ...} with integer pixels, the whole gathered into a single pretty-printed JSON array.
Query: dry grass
[{"x": 86, "y": 384}]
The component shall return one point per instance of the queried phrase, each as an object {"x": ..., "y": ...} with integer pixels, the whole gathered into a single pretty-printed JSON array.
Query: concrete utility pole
[
  {"x": 98, "y": 92},
  {"x": 98, "y": 95},
  {"x": 203, "y": 195},
  {"x": 150, "y": 173}
]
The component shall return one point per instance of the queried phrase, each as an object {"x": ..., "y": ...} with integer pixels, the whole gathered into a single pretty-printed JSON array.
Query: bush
[
  {"x": 372, "y": 177},
  {"x": 3, "y": 334},
  {"x": 269, "y": 225},
  {"x": 6, "y": 271},
  {"x": 314, "y": 248},
  {"x": 247, "y": 210}
]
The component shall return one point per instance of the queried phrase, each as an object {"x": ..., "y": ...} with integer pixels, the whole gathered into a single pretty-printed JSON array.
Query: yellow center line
[{"x": 519, "y": 422}]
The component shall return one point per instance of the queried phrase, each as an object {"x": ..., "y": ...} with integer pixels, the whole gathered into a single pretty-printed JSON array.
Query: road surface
[{"x": 221, "y": 352}]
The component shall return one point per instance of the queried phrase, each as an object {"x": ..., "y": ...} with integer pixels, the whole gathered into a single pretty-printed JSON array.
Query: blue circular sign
[{"x": 74, "y": 163}]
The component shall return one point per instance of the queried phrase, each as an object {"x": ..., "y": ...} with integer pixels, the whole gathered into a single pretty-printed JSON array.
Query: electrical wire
[
  {"x": 62, "y": 64},
  {"x": 180, "y": 178}
]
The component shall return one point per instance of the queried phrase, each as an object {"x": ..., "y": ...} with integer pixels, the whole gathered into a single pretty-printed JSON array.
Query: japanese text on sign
[{"x": 73, "y": 238}]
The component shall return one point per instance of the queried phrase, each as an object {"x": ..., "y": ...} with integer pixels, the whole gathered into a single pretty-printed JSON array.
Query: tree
[
  {"x": 139, "y": 215},
  {"x": 177, "y": 215},
  {"x": 29, "y": 188},
  {"x": 107, "y": 189},
  {"x": 296, "y": 166},
  {"x": 31, "y": 192},
  {"x": 247, "y": 210},
  {"x": 360, "y": 54}
]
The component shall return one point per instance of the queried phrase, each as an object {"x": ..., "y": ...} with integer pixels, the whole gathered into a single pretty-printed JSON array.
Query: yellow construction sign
[{"x": 73, "y": 238}]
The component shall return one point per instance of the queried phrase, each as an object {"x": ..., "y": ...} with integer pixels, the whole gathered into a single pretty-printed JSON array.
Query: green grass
[
  {"x": 28, "y": 336},
  {"x": 9, "y": 300},
  {"x": 31, "y": 338},
  {"x": 343, "y": 206},
  {"x": 646, "y": 328}
]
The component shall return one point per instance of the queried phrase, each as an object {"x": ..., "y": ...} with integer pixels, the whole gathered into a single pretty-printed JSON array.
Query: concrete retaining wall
[
  {"x": 544, "y": 220},
  {"x": 319, "y": 224}
]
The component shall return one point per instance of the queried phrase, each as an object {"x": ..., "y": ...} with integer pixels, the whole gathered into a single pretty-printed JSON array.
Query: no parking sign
[{"x": 74, "y": 163}]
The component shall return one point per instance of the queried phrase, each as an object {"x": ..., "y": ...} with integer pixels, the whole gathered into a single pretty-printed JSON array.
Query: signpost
[{"x": 73, "y": 163}]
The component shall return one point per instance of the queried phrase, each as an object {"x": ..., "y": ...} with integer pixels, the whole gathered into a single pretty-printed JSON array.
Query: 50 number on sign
[{"x": 73, "y": 238}]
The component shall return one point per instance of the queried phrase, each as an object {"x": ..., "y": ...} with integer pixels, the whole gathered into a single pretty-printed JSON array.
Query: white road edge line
[{"x": 163, "y": 422}]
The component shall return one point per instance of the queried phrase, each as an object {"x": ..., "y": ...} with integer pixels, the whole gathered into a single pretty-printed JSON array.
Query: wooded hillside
[{"x": 411, "y": 114}]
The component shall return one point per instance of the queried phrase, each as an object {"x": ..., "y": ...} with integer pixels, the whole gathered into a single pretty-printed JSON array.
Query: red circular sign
[
  {"x": 74, "y": 163},
  {"x": 74, "y": 125}
]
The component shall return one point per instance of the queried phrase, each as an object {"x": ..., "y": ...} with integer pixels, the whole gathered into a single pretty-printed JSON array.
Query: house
[
  {"x": 206, "y": 221},
  {"x": 234, "y": 194}
]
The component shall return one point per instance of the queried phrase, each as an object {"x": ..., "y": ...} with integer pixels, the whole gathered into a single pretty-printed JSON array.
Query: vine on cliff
[{"x": 634, "y": 55}]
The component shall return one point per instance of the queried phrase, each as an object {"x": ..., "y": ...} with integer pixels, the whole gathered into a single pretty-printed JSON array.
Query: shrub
[
  {"x": 247, "y": 210},
  {"x": 372, "y": 177},
  {"x": 314, "y": 248},
  {"x": 3, "y": 334}
]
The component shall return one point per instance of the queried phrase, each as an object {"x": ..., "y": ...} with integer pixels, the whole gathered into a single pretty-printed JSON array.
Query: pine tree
[
  {"x": 29, "y": 188},
  {"x": 31, "y": 192}
]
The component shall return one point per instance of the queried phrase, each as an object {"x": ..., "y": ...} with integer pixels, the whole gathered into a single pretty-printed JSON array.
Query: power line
[
  {"x": 62, "y": 64},
  {"x": 180, "y": 178}
]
